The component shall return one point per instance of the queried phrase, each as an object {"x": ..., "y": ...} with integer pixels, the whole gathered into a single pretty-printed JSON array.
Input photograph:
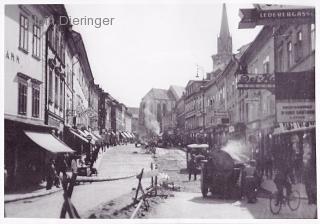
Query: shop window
[
  {"x": 23, "y": 34},
  {"x": 22, "y": 97},
  {"x": 35, "y": 100},
  {"x": 36, "y": 41}
]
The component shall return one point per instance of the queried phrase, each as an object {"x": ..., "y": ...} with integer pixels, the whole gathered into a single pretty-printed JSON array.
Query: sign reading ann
[{"x": 295, "y": 111}]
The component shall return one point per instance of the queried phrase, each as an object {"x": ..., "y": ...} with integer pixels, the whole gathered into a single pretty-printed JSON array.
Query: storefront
[{"x": 25, "y": 159}]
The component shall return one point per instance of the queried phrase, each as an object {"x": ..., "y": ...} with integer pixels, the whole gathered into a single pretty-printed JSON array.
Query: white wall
[{"x": 27, "y": 64}]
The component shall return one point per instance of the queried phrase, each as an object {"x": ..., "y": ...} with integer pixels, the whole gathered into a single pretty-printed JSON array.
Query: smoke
[
  {"x": 238, "y": 150},
  {"x": 150, "y": 120}
]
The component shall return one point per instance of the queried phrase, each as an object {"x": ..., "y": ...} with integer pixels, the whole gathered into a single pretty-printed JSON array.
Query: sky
[{"x": 154, "y": 45}]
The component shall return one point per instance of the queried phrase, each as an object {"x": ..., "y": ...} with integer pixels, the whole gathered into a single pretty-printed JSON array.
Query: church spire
[{"x": 224, "y": 29}]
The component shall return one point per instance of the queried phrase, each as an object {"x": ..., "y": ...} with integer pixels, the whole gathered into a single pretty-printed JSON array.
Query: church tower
[{"x": 224, "y": 43}]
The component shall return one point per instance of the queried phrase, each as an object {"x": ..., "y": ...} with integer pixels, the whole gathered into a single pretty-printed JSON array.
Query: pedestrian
[
  {"x": 50, "y": 174},
  {"x": 192, "y": 167},
  {"x": 251, "y": 182},
  {"x": 268, "y": 165},
  {"x": 309, "y": 173},
  {"x": 61, "y": 165}
]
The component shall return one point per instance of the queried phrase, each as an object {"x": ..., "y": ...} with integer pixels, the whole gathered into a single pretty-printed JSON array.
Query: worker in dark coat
[
  {"x": 309, "y": 173},
  {"x": 192, "y": 167},
  {"x": 251, "y": 182},
  {"x": 50, "y": 174}
]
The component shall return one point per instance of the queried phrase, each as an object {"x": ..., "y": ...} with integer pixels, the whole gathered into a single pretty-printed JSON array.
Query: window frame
[
  {"x": 36, "y": 41},
  {"x": 289, "y": 55},
  {"x": 313, "y": 36},
  {"x": 35, "y": 100},
  {"x": 22, "y": 97},
  {"x": 50, "y": 86},
  {"x": 24, "y": 43},
  {"x": 56, "y": 91}
]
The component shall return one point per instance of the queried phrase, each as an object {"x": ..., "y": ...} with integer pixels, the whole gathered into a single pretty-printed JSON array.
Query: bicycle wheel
[
  {"x": 294, "y": 200},
  {"x": 274, "y": 206}
]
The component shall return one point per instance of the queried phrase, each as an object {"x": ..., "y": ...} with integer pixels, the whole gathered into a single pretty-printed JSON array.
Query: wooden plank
[{"x": 136, "y": 210}]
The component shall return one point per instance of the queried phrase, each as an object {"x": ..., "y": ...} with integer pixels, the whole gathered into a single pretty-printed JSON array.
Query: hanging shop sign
[
  {"x": 250, "y": 18},
  {"x": 295, "y": 111},
  {"x": 255, "y": 81}
]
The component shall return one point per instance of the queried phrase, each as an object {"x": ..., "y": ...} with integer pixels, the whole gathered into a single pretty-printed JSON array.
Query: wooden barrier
[
  {"x": 67, "y": 206},
  {"x": 145, "y": 193}
]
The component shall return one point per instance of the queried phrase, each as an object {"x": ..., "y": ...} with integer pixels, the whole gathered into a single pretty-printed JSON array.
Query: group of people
[
  {"x": 296, "y": 166},
  {"x": 56, "y": 169}
]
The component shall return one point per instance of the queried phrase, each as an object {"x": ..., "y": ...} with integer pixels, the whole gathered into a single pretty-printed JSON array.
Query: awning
[
  {"x": 48, "y": 142},
  {"x": 130, "y": 135},
  {"x": 79, "y": 136},
  {"x": 123, "y": 135},
  {"x": 96, "y": 133},
  {"x": 85, "y": 136},
  {"x": 126, "y": 133}
]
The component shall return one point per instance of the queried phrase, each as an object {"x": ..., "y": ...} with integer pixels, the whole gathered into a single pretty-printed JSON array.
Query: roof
[
  {"x": 158, "y": 94},
  {"x": 134, "y": 111},
  {"x": 177, "y": 91}
]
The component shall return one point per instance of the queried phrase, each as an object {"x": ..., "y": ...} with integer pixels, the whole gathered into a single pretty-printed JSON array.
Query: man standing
[
  {"x": 192, "y": 167},
  {"x": 309, "y": 172}
]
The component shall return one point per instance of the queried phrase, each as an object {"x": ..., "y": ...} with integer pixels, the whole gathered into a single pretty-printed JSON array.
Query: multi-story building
[
  {"x": 128, "y": 121},
  {"x": 55, "y": 65},
  {"x": 134, "y": 111},
  {"x": 194, "y": 109},
  {"x": 258, "y": 105},
  {"x": 83, "y": 80},
  {"x": 94, "y": 107},
  {"x": 27, "y": 54}
]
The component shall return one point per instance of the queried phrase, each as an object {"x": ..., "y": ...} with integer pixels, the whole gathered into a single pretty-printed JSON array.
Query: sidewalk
[
  {"x": 43, "y": 192},
  {"x": 270, "y": 186}
]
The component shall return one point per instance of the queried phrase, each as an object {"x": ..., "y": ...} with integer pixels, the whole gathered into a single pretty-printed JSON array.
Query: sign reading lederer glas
[{"x": 295, "y": 111}]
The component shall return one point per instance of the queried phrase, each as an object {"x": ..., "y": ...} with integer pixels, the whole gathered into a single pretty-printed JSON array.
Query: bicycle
[{"x": 293, "y": 201}]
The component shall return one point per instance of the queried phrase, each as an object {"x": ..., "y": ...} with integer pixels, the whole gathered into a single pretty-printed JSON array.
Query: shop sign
[
  {"x": 250, "y": 18},
  {"x": 295, "y": 111},
  {"x": 255, "y": 81}
]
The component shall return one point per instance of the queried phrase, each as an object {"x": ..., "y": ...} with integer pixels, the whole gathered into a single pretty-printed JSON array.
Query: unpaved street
[
  {"x": 119, "y": 161},
  {"x": 189, "y": 203}
]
